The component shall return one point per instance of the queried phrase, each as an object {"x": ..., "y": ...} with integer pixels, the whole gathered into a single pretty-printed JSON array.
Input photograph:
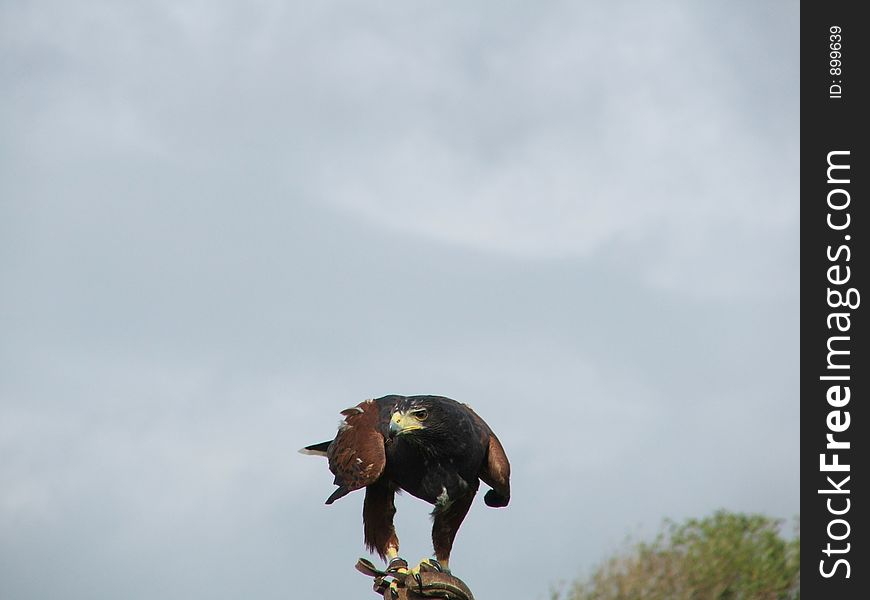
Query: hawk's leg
[
  {"x": 378, "y": 512},
  {"x": 448, "y": 516}
]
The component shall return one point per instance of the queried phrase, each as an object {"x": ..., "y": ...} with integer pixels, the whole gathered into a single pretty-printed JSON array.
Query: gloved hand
[{"x": 427, "y": 583}]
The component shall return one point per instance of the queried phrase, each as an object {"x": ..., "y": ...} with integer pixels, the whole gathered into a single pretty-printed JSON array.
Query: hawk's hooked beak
[{"x": 402, "y": 423}]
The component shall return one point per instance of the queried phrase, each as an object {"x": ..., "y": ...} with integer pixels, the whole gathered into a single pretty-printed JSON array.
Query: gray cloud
[{"x": 222, "y": 223}]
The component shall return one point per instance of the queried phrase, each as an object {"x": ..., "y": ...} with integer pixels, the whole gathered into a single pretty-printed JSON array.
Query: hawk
[{"x": 434, "y": 448}]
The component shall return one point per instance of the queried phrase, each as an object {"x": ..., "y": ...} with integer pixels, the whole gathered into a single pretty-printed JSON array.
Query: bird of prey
[{"x": 434, "y": 448}]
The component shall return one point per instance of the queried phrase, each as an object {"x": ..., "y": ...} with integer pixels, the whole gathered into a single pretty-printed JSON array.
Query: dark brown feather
[
  {"x": 378, "y": 511},
  {"x": 496, "y": 469},
  {"x": 356, "y": 456}
]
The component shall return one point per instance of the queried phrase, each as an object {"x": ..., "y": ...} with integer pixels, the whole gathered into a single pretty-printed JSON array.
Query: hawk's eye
[{"x": 421, "y": 415}]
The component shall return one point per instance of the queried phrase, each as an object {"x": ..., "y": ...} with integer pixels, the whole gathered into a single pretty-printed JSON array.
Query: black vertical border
[{"x": 833, "y": 122}]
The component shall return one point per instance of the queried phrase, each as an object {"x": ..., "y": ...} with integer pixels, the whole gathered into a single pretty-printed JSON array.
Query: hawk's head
[{"x": 414, "y": 414}]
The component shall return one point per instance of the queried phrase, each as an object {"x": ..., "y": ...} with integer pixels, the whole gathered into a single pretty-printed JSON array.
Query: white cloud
[{"x": 570, "y": 141}]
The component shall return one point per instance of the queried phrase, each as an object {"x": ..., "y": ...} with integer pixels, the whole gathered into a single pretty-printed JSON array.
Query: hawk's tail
[{"x": 316, "y": 449}]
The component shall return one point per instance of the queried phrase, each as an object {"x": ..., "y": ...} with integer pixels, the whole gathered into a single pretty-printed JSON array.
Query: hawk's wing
[
  {"x": 496, "y": 469},
  {"x": 356, "y": 455}
]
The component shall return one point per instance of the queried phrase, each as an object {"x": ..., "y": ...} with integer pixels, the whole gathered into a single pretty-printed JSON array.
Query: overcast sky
[{"x": 223, "y": 222}]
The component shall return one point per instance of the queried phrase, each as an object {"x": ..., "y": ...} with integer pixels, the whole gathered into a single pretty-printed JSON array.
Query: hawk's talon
[
  {"x": 398, "y": 566},
  {"x": 428, "y": 565},
  {"x": 434, "y": 562}
]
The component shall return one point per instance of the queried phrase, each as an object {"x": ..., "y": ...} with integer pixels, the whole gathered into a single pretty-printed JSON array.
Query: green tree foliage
[{"x": 726, "y": 556}]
